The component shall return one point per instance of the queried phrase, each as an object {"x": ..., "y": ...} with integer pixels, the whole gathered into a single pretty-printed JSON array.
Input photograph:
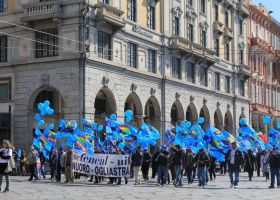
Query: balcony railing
[
  {"x": 244, "y": 70},
  {"x": 243, "y": 9},
  {"x": 109, "y": 14},
  {"x": 256, "y": 41},
  {"x": 42, "y": 10}
]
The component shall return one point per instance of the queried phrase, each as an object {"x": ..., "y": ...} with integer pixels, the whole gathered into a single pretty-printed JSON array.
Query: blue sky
[{"x": 273, "y": 5}]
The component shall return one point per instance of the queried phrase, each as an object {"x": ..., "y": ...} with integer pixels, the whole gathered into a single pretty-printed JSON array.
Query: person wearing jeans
[
  {"x": 178, "y": 161},
  {"x": 202, "y": 160},
  {"x": 235, "y": 160},
  {"x": 162, "y": 161},
  {"x": 31, "y": 159},
  {"x": 188, "y": 165},
  {"x": 274, "y": 162},
  {"x": 136, "y": 163}
]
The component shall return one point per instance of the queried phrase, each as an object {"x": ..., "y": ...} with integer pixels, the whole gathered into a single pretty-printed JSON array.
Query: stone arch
[
  {"x": 218, "y": 119},
  {"x": 153, "y": 113},
  {"x": 204, "y": 112},
  {"x": 191, "y": 113},
  {"x": 104, "y": 105},
  {"x": 228, "y": 122},
  {"x": 177, "y": 112},
  {"x": 133, "y": 103},
  {"x": 56, "y": 102}
]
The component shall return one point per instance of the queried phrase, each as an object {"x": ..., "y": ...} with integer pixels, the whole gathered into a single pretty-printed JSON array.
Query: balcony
[
  {"x": 259, "y": 108},
  {"x": 228, "y": 32},
  {"x": 110, "y": 15},
  {"x": 243, "y": 9},
  {"x": 228, "y": 3},
  {"x": 218, "y": 27},
  {"x": 261, "y": 44},
  {"x": 189, "y": 48},
  {"x": 244, "y": 70},
  {"x": 42, "y": 10}
]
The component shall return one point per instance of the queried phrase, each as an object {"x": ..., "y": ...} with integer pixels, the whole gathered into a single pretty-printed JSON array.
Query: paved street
[{"x": 22, "y": 189}]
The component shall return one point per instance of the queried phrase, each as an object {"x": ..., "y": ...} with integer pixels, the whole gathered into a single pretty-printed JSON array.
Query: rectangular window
[
  {"x": 203, "y": 6},
  {"x": 5, "y": 126},
  {"x": 152, "y": 61},
  {"x": 216, "y": 7},
  {"x": 190, "y": 3},
  {"x": 227, "y": 51},
  {"x": 132, "y": 55},
  {"x": 104, "y": 45},
  {"x": 190, "y": 72},
  {"x": 227, "y": 84},
  {"x": 152, "y": 17},
  {"x": 217, "y": 45},
  {"x": 191, "y": 30},
  {"x": 217, "y": 81},
  {"x": 241, "y": 56},
  {"x": 177, "y": 26},
  {"x": 226, "y": 19},
  {"x": 242, "y": 88},
  {"x": 4, "y": 90},
  {"x": 132, "y": 10},
  {"x": 203, "y": 38},
  {"x": 3, "y": 6},
  {"x": 46, "y": 44},
  {"x": 176, "y": 68},
  {"x": 240, "y": 27},
  {"x": 105, "y": 1},
  {"x": 202, "y": 76},
  {"x": 3, "y": 48}
]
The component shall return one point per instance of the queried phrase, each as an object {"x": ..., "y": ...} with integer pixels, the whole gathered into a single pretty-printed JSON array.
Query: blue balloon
[
  {"x": 50, "y": 111},
  {"x": 47, "y": 103},
  {"x": 128, "y": 119},
  {"x": 43, "y": 112},
  {"x": 188, "y": 124},
  {"x": 100, "y": 128},
  {"x": 41, "y": 106},
  {"x": 266, "y": 119},
  {"x": 51, "y": 126},
  {"x": 121, "y": 145},
  {"x": 128, "y": 113},
  {"x": 113, "y": 117},
  {"x": 243, "y": 121},
  {"x": 278, "y": 124},
  {"x": 200, "y": 120},
  {"x": 94, "y": 125},
  {"x": 37, "y": 116},
  {"x": 41, "y": 123}
]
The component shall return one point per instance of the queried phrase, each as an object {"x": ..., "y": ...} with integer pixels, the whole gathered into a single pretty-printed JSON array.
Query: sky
[{"x": 271, "y": 5}]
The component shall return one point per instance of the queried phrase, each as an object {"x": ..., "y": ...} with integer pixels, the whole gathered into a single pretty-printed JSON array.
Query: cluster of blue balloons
[
  {"x": 128, "y": 115},
  {"x": 242, "y": 121},
  {"x": 93, "y": 125},
  {"x": 266, "y": 119},
  {"x": 44, "y": 109}
]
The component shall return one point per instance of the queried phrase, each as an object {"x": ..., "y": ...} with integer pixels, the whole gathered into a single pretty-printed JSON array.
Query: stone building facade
[
  {"x": 168, "y": 61},
  {"x": 264, "y": 48}
]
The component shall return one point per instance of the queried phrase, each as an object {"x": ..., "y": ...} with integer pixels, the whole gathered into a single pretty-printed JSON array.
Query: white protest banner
[{"x": 107, "y": 165}]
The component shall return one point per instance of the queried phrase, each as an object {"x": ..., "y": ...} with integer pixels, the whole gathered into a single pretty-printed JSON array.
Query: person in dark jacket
[
  {"x": 178, "y": 162},
  {"x": 212, "y": 168},
  {"x": 274, "y": 163},
  {"x": 53, "y": 161},
  {"x": 154, "y": 163},
  {"x": 258, "y": 162},
  {"x": 235, "y": 159},
  {"x": 43, "y": 163},
  {"x": 162, "y": 162},
  {"x": 146, "y": 164},
  {"x": 137, "y": 162},
  {"x": 189, "y": 165},
  {"x": 202, "y": 159},
  {"x": 249, "y": 163}
]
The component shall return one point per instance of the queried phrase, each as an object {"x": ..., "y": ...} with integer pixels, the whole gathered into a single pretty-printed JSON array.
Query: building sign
[
  {"x": 141, "y": 31},
  {"x": 106, "y": 165}
]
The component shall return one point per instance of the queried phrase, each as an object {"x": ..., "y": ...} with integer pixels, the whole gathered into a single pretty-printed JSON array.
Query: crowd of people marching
[{"x": 168, "y": 164}]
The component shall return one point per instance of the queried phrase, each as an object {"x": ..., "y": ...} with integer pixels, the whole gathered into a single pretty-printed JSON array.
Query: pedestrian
[
  {"x": 235, "y": 160},
  {"x": 122, "y": 152},
  {"x": 189, "y": 165},
  {"x": 137, "y": 162},
  {"x": 58, "y": 165},
  {"x": 265, "y": 164},
  {"x": 212, "y": 168},
  {"x": 274, "y": 163},
  {"x": 249, "y": 163},
  {"x": 171, "y": 167},
  {"x": 146, "y": 164},
  {"x": 202, "y": 159},
  {"x": 53, "y": 161},
  {"x": 178, "y": 162},
  {"x": 23, "y": 163},
  {"x": 258, "y": 162},
  {"x": 42, "y": 164},
  {"x": 6, "y": 163},
  {"x": 154, "y": 163},
  {"x": 31, "y": 160},
  {"x": 223, "y": 166},
  {"x": 69, "y": 175},
  {"x": 162, "y": 162}
]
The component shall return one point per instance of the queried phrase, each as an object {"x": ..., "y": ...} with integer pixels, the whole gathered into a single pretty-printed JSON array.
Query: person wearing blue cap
[{"x": 162, "y": 161}]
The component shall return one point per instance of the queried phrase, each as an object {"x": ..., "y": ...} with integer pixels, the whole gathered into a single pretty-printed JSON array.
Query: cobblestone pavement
[{"x": 82, "y": 190}]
